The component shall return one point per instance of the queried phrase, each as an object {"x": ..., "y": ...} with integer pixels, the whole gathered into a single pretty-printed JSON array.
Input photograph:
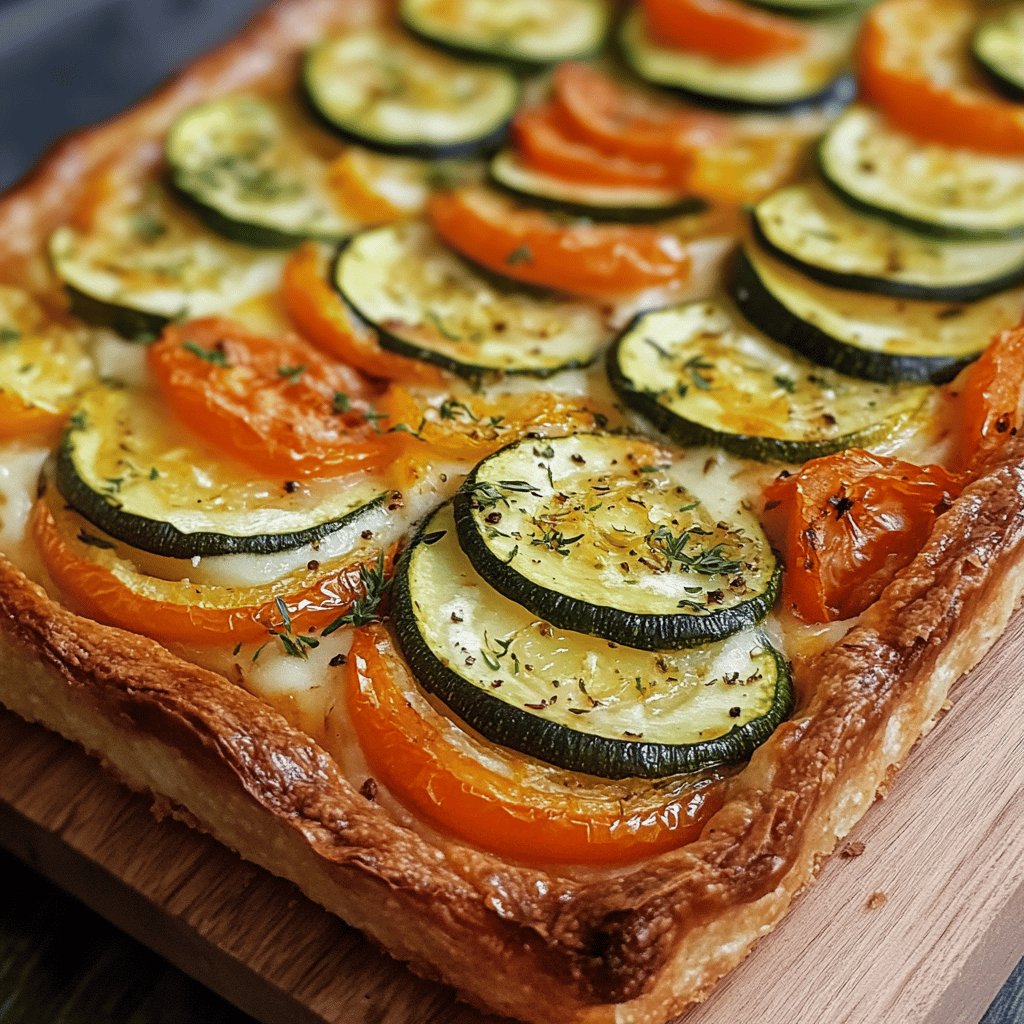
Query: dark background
[{"x": 65, "y": 64}]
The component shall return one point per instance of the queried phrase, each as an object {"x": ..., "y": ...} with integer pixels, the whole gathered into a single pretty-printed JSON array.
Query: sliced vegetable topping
[
  {"x": 562, "y": 697},
  {"x": 527, "y": 32},
  {"x": 595, "y": 533},
  {"x": 43, "y": 367},
  {"x": 502, "y": 802},
  {"x": 138, "y": 476},
  {"x": 998, "y": 46},
  {"x": 704, "y": 377},
  {"x": 928, "y": 188},
  {"x": 814, "y": 74},
  {"x": 103, "y": 582},
  {"x": 847, "y": 524},
  {"x": 808, "y": 228},
  {"x": 393, "y": 94},
  {"x": 428, "y": 304},
  {"x": 598, "y": 260},
  {"x": 915, "y": 65},
  {"x": 870, "y": 336},
  {"x": 273, "y": 402},
  {"x": 252, "y": 170},
  {"x": 145, "y": 265},
  {"x": 378, "y": 187}
]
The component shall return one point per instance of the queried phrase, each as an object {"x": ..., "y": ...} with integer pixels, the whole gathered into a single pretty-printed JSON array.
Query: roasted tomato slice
[
  {"x": 377, "y": 187},
  {"x": 107, "y": 587},
  {"x": 991, "y": 398},
  {"x": 723, "y": 29},
  {"x": 276, "y": 403},
  {"x": 598, "y": 260},
  {"x": 621, "y": 119},
  {"x": 322, "y": 317},
  {"x": 500, "y": 800},
  {"x": 545, "y": 139},
  {"x": 847, "y": 523},
  {"x": 915, "y": 64}
]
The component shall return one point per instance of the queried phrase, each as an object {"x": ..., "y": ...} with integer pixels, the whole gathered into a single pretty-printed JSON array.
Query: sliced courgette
[
  {"x": 570, "y": 699},
  {"x": 813, "y": 8},
  {"x": 869, "y": 336},
  {"x": 810, "y": 229},
  {"x": 598, "y": 202},
  {"x": 393, "y": 94},
  {"x": 153, "y": 263},
  {"x": 427, "y": 303},
  {"x": 952, "y": 193},
  {"x": 815, "y": 76},
  {"x": 601, "y": 534},
  {"x": 998, "y": 46},
  {"x": 526, "y": 33},
  {"x": 253, "y": 173},
  {"x": 129, "y": 470},
  {"x": 704, "y": 377}
]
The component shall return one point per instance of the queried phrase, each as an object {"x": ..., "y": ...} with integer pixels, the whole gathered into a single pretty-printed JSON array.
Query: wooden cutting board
[{"x": 921, "y": 928}]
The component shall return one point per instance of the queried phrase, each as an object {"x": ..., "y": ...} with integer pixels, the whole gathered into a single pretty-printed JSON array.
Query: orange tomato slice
[
  {"x": 991, "y": 398},
  {"x": 915, "y": 65},
  {"x": 846, "y": 524},
  {"x": 500, "y": 800},
  {"x": 597, "y": 260},
  {"x": 272, "y": 402},
  {"x": 543, "y": 136},
  {"x": 724, "y": 29},
  {"x": 377, "y": 188},
  {"x": 619, "y": 119},
  {"x": 322, "y": 317},
  {"x": 110, "y": 589}
]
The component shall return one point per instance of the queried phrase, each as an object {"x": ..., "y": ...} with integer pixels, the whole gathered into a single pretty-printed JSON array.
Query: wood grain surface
[{"x": 922, "y": 927}]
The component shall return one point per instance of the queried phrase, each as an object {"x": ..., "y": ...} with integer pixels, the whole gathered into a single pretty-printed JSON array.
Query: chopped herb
[
  {"x": 524, "y": 254},
  {"x": 451, "y": 409},
  {"x": 365, "y": 610},
  {"x": 784, "y": 382},
  {"x": 154, "y": 474},
  {"x": 700, "y": 380},
  {"x": 148, "y": 227},
  {"x": 9, "y": 335},
  {"x": 555, "y": 540},
  {"x": 214, "y": 356},
  {"x": 342, "y": 403},
  {"x": 78, "y": 421},
  {"x": 444, "y": 331},
  {"x": 237, "y": 649},
  {"x": 433, "y": 538},
  {"x": 292, "y": 373}
]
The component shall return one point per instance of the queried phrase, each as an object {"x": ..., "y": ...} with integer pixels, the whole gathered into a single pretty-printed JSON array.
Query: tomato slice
[
  {"x": 325, "y": 319},
  {"x": 915, "y": 65},
  {"x": 991, "y": 398},
  {"x": 620, "y": 119},
  {"x": 545, "y": 140},
  {"x": 499, "y": 800},
  {"x": 272, "y": 402},
  {"x": 846, "y": 524},
  {"x": 110, "y": 589},
  {"x": 597, "y": 260},
  {"x": 378, "y": 188},
  {"x": 723, "y": 29}
]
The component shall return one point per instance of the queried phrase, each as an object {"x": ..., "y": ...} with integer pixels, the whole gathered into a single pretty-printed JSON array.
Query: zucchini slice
[
  {"x": 153, "y": 263},
  {"x": 525, "y": 33},
  {"x": 702, "y": 376},
  {"x": 810, "y": 229},
  {"x": 564, "y": 697},
  {"x": 869, "y": 336},
  {"x": 427, "y": 303},
  {"x": 596, "y": 533},
  {"x": 998, "y": 46},
  {"x": 125, "y": 466},
  {"x": 813, "y": 8},
  {"x": 814, "y": 77},
  {"x": 393, "y": 94},
  {"x": 932, "y": 189},
  {"x": 598, "y": 202},
  {"x": 253, "y": 174}
]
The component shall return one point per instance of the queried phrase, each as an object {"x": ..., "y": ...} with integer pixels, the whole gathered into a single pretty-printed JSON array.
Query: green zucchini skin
[
  {"x": 572, "y": 749},
  {"x": 132, "y": 324},
  {"x": 812, "y": 9},
  {"x": 768, "y": 314},
  {"x": 1004, "y": 76},
  {"x": 881, "y": 284},
  {"x": 256, "y": 236},
  {"x": 645, "y": 632}
]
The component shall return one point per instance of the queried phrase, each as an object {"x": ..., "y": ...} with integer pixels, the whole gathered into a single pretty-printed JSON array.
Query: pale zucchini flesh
[{"x": 998, "y": 46}]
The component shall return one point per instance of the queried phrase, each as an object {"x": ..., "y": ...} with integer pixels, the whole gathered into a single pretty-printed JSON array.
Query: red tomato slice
[
  {"x": 598, "y": 260},
  {"x": 915, "y": 64},
  {"x": 724, "y": 29},
  {"x": 991, "y": 398},
  {"x": 620, "y": 119},
  {"x": 110, "y": 589},
  {"x": 846, "y": 524},
  {"x": 545, "y": 140},
  {"x": 497, "y": 799},
  {"x": 271, "y": 402}
]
